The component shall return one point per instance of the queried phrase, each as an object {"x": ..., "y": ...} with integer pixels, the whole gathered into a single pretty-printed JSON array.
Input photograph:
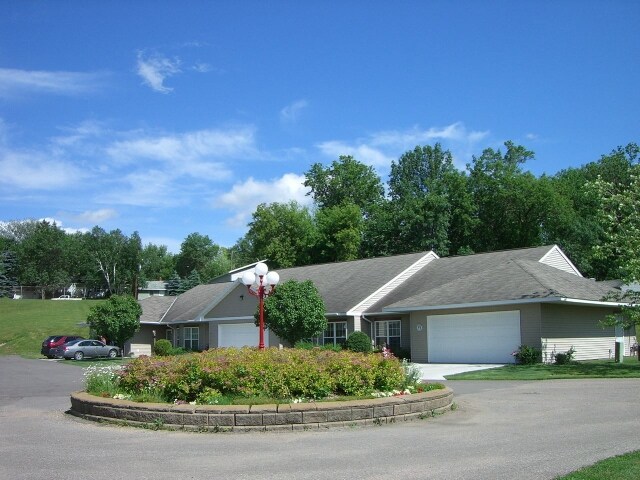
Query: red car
[{"x": 55, "y": 341}]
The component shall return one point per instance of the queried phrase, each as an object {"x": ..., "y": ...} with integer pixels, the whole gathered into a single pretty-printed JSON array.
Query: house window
[
  {"x": 388, "y": 332},
  {"x": 191, "y": 336},
  {"x": 335, "y": 334}
]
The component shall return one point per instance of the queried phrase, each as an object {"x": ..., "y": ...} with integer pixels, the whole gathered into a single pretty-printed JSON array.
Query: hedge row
[{"x": 274, "y": 373}]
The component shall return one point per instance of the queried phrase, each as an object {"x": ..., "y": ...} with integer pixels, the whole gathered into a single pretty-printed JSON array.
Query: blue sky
[{"x": 168, "y": 118}]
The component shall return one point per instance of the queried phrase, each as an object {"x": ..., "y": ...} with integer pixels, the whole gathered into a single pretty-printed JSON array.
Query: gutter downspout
[{"x": 370, "y": 327}]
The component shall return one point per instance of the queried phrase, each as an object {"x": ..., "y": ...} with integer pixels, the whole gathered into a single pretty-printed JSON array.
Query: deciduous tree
[
  {"x": 295, "y": 311},
  {"x": 117, "y": 318}
]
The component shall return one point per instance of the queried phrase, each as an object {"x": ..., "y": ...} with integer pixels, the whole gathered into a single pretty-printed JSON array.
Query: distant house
[
  {"x": 154, "y": 288},
  {"x": 465, "y": 309}
]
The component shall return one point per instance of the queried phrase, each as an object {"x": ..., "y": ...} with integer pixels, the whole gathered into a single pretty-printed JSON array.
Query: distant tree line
[{"x": 426, "y": 204}]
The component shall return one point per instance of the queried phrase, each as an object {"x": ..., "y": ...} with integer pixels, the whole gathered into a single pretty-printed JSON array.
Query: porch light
[{"x": 261, "y": 283}]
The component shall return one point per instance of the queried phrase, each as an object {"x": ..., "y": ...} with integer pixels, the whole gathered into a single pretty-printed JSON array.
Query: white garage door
[
  {"x": 473, "y": 337},
  {"x": 240, "y": 335}
]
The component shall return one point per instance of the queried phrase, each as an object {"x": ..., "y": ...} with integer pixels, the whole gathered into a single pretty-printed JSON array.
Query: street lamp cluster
[{"x": 261, "y": 283}]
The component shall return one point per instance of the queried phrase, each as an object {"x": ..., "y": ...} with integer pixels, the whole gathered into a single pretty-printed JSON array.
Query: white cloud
[
  {"x": 96, "y": 216},
  {"x": 37, "y": 171},
  {"x": 246, "y": 196},
  {"x": 362, "y": 152},
  {"x": 202, "y": 67},
  {"x": 143, "y": 188},
  {"x": 291, "y": 113},
  {"x": 381, "y": 148},
  {"x": 199, "y": 154},
  {"x": 14, "y": 81},
  {"x": 155, "y": 69},
  {"x": 532, "y": 136}
]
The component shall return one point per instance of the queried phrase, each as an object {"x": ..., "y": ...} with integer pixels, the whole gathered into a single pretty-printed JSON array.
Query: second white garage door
[
  {"x": 240, "y": 335},
  {"x": 489, "y": 337}
]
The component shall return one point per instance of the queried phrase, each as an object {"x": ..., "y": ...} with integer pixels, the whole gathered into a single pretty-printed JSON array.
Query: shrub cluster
[
  {"x": 526, "y": 355},
  {"x": 359, "y": 342},
  {"x": 163, "y": 348},
  {"x": 273, "y": 373},
  {"x": 565, "y": 358}
]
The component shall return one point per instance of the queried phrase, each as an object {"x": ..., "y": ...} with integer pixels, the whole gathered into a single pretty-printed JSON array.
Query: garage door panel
[
  {"x": 488, "y": 337},
  {"x": 239, "y": 335}
]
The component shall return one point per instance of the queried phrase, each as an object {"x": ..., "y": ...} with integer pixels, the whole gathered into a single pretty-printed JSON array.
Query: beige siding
[
  {"x": 529, "y": 326},
  {"x": 566, "y": 326},
  {"x": 238, "y": 303}
]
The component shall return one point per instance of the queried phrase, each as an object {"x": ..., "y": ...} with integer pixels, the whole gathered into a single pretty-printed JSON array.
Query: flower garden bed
[{"x": 275, "y": 417}]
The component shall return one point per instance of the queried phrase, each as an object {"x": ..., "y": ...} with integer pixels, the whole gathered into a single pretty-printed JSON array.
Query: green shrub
[
  {"x": 304, "y": 345},
  {"x": 249, "y": 372},
  {"x": 565, "y": 358},
  {"x": 526, "y": 355},
  {"x": 102, "y": 381},
  {"x": 358, "y": 342},
  {"x": 162, "y": 347}
]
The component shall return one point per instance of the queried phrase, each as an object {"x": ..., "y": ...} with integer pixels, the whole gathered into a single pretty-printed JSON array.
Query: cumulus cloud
[
  {"x": 154, "y": 69},
  {"x": 381, "y": 148},
  {"x": 291, "y": 113},
  {"x": 13, "y": 81},
  {"x": 243, "y": 198}
]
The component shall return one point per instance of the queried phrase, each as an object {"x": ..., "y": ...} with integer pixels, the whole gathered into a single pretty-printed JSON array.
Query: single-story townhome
[{"x": 461, "y": 309}]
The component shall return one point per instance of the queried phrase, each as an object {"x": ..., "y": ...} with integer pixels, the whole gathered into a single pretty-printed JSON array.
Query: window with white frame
[
  {"x": 191, "y": 335},
  {"x": 335, "y": 333},
  {"x": 388, "y": 332}
]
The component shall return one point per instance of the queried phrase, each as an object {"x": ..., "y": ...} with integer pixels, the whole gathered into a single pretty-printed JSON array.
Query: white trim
[
  {"x": 392, "y": 284},
  {"x": 556, "y": 249},
  {"x": 593, "y": 302},
  {"x": 470, "y": 305},
  {"x": 504, "y": 302}
]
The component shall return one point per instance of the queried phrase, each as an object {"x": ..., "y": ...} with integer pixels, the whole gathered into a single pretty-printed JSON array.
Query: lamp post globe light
[{"x": 261, "y": 283}]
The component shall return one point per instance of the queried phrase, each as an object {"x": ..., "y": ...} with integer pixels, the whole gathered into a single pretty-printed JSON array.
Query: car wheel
[
  {"x": 113, "y": 353},
  {"x": 50, "y": 356},
  {"x": 78, "y": 355}
]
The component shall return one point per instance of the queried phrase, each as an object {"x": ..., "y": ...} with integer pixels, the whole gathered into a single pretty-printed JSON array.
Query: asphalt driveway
[{"x": 501, "y": 430}]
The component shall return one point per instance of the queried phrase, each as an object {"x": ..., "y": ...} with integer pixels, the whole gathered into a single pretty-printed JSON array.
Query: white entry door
[
  {"x": 240, "y": 335},
  {"x": 488, "y": 337}
]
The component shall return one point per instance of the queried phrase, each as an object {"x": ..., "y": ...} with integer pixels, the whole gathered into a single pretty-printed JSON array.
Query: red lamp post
[{"x": 261, "y": 283}]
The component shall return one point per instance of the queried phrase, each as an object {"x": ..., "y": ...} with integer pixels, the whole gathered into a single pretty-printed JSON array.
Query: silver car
[{"x": 79, "y": 349}]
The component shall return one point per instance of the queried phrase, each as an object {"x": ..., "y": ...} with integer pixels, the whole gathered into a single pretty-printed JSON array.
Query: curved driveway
[{"x": 501, "y": 430}]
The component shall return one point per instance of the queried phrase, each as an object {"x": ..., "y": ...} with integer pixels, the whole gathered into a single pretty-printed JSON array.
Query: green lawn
[
  {"x": 24, "y": 324},
  {"x": 630, "y": 368},
  {"x": 622, "y": 467}
]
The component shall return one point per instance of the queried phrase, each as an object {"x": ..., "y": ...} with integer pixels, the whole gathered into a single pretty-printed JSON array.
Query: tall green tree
[
  {"x": 512, "y": 205},
  {"x": 619, "y": 214},
  {"x": 196, "y": 252},
  {"x": 421, "y": 200},
  {"x": 346, "y": 181},
  {"x": 157, "y": 263},
  {"x": 339, "y": 233},
  {"x": 295, "y": 311},
  {"x": 117, "y": 319},
  {"x": 42, "y": 258},
  {"x": 116, "y": 257},
  {"x": 283, "y": 233}
]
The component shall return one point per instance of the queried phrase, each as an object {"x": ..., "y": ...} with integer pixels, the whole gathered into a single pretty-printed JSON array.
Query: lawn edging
[{"x": 280, "y": 417}]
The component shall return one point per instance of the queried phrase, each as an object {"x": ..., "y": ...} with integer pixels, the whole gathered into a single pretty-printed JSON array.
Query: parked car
[
  {"x": 79, "y": 349},
  {"x": 55, "y": 341}
]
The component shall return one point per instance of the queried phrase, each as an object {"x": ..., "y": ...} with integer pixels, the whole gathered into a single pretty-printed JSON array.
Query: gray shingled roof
[
  {"x": 512, "y": 280},
  {"x": 193, "y": 303},
  {"x": 154, "y": 308},
  {"x": 449, "y": 269},
  {"x": 345, "y": 284}
]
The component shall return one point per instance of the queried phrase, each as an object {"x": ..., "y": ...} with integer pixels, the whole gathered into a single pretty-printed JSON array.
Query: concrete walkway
[{"x": 438, "y": 371}]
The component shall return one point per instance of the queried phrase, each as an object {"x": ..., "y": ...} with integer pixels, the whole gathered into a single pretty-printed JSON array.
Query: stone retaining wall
[{"x": 299, "y": 416}]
